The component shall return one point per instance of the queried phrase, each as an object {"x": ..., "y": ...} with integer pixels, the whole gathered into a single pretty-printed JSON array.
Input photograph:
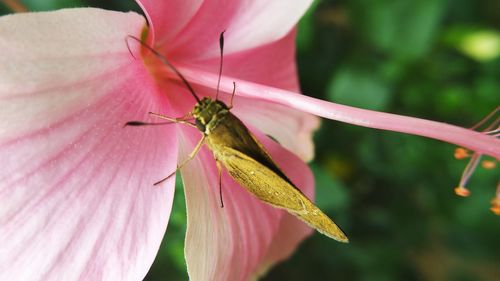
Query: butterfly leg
[
  {"x": 219, "y": 168},
  {"x": 189, "y": 158},
  {"x": 232, "y": 95},
  {"x": 182, "y": 120}
]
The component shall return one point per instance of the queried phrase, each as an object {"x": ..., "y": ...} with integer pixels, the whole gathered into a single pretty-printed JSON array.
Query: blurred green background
[{"x": 391, "y": 193}]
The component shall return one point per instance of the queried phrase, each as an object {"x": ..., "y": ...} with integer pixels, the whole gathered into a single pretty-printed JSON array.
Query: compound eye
[{"x": 200, "y": 125}]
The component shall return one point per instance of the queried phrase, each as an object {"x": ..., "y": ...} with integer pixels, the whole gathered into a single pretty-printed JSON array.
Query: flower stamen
[
  {"x": 462, "y": 191},
  {"x": 495, "y": 206},
  {"x": 485, "y": 119},
  {"x": 461, "y": 153},
  {"x": 490, "y": 125},
  {"x": 469, "y": 170},
  {"x": 495, "y": 203},
  {"x": 15, "y": 6},
  {"x": 488, "y": 164}
]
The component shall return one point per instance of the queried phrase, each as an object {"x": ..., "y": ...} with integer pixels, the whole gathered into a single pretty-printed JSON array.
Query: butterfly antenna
[
  {"x": 165, "y": 61},
  {"x": 221, "y": 46}
]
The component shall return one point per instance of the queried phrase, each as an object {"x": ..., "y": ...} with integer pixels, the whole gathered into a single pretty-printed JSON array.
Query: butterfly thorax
[{"x": 209, "y": 114}]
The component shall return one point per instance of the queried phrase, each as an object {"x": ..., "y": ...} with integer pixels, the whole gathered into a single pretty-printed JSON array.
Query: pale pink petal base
[
  {"x": 241, "y": 239},
  {"x": 76, "y": 187},
  {"x": 367, "y": 118}
]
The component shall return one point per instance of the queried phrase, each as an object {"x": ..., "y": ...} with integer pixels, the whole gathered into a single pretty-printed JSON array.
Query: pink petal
[
  {"x": 367, "y": 118},
  {"x": 293, "y": 129},
  {"x": 291, "y": 231},
  {"x": 249, "y": 23},
  {"x": 168, "y": 18},
  {"x": 77, "y": 201},
  {"x": 272, "y": 64},
  {"x": 231, "y": 243}
]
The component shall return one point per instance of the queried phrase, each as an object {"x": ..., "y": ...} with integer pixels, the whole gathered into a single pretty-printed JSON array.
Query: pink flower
[
  {"x": 77, "y": 196},
  {"x": 76, "y": 193}
]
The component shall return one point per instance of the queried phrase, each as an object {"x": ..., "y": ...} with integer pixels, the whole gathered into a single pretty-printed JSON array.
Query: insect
[{"x": 245, "y": 159}]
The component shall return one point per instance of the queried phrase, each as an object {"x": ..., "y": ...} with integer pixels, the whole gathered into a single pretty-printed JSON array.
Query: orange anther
[
  {"x": 495, "y": 206},
  {"x": 462, "y": 191},
  {"x": 488, "y": 164},
  {"x": 461, "y": 153}
]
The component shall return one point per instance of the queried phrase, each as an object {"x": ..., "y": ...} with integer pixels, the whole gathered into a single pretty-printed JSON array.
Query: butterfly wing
[
  {"x": 233, "y": 133},
  {"x": 271, "y": 188}
]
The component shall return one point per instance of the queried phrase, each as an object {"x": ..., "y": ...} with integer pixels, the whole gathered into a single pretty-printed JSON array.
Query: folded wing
[{"x": 269, "y": 187}]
